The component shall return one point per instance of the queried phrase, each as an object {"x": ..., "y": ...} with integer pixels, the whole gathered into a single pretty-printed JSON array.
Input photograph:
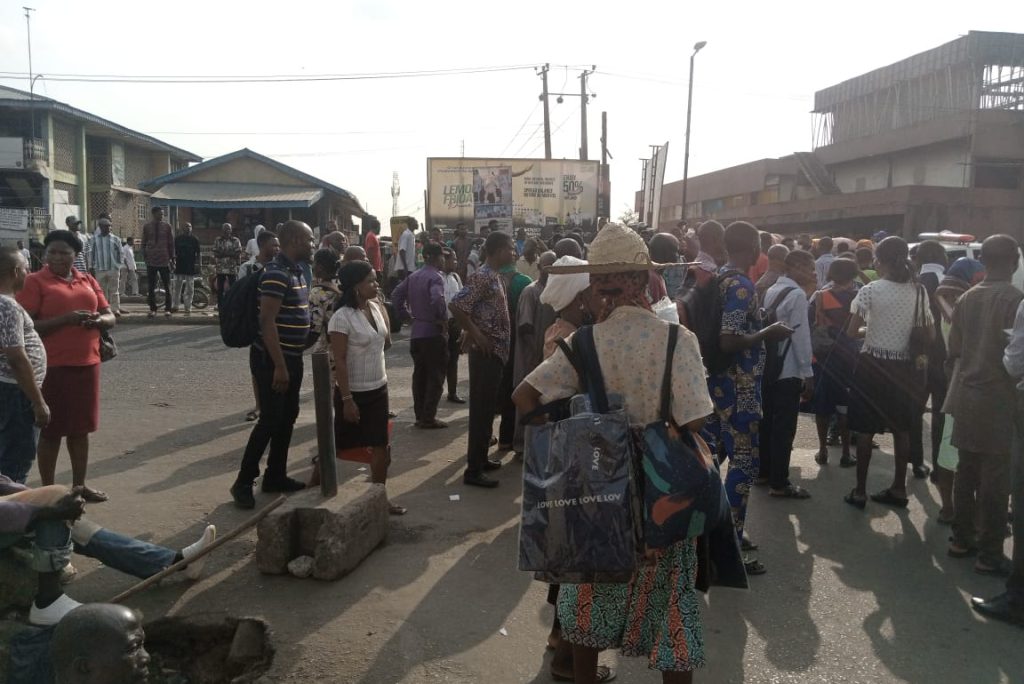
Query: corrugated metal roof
[{"x": 236, "y": 195}]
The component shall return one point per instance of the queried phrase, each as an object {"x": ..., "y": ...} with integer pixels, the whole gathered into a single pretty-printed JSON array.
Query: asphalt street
[{"x": 850, "y": 596}]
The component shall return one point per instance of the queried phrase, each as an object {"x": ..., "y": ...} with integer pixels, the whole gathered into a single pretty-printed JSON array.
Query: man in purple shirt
[
  {"x": 52, "y": 515},
  {"x": 421, "y": 297}
]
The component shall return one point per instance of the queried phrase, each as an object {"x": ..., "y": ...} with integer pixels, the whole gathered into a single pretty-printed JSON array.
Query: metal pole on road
[
  {"x": 324, "y": 425},
  {"x": 689, "y": 104}
]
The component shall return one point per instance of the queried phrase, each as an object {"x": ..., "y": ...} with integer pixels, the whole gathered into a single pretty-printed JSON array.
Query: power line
[
  {"x": 270, "y": 78},
  {"x": 521, "y": 127}
]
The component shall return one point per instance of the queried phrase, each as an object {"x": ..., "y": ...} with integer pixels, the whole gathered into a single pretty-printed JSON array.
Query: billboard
[{"x": 508, "y": 194}]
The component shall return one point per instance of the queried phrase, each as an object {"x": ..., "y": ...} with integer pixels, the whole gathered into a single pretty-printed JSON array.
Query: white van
[{"x": 959, "y": 245}]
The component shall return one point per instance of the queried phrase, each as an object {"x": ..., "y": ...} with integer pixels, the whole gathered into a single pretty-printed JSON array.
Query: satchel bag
[
  {"x": 578, "y": 521},
  {"x": 683, "y": 494},
  {"x": 108, "y": 348}
]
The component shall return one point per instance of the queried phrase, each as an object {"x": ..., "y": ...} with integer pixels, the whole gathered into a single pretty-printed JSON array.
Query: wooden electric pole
[
  {"x": 547, "y": 113},
  {"x": 584, "y": 98}
]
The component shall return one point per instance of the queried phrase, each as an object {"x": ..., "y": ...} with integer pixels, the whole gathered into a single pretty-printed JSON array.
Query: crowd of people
[{"x": 865, "y": 336}]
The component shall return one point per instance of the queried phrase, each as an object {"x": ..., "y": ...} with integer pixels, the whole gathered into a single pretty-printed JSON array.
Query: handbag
[
  {"x": 108, "y": 348},
  {"x": 578, "y": 521},
  {"x": 922, "y": 332},
  {"x": 683, "y": 494},
  {"x": 821, "y": 342}
]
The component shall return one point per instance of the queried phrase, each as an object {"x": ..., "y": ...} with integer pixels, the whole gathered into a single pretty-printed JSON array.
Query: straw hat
[{"x": 616, "y": 249}]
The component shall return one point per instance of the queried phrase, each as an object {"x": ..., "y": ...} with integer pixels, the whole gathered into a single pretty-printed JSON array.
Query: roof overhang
[{"x": 236, "y": 196}]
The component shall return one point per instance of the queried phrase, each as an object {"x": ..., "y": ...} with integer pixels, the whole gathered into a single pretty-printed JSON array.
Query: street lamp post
[{"x": 689, "y": 105}]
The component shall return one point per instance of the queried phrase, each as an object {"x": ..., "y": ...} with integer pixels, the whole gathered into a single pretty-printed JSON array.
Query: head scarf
[
  {"x": 971, "y": 271},
  {"x": 562, "y": 288},
  {"x": 621, "y": 289}
]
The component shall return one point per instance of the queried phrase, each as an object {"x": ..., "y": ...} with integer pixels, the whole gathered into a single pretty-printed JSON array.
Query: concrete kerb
[{"x": 338, "y": 533}]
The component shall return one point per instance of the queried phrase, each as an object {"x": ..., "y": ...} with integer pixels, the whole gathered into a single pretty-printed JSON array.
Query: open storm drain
[{"x": 208, "y": 650}]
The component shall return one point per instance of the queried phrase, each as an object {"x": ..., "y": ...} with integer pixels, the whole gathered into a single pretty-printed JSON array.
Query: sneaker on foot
[
  {"x": 242, "y": 494},
  {"x": 194, "y": 570},
  {"x": 52, "y": 614}
]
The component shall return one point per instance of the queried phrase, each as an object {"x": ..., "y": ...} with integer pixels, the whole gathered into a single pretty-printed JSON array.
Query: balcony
[{"x": 36, "y": 151}]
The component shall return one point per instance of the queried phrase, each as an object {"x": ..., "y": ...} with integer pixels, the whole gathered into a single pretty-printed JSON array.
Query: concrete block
[
  {"x": 301, "y": 567},
  {"x": 338, "y": 532}
]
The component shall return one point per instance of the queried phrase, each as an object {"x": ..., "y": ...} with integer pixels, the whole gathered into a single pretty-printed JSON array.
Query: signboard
[
  {"x": 508, "y": 194},
  {"x": 658, "y": 181},
  {"x": 13, "y": 224}
]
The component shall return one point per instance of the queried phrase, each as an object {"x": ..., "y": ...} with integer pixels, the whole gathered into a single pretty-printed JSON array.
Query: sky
[{"x": 753, "y": 85}]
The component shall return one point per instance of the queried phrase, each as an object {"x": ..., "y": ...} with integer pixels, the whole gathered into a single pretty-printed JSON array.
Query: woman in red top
[{"x": 69, "y": 311}]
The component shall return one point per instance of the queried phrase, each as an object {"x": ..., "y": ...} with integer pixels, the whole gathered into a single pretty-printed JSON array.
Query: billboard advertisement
[{"x": 508, "y": 194}]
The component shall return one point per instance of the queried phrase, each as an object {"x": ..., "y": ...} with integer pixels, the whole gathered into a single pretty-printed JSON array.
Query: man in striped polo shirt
[{"x": 275, "y": 360}]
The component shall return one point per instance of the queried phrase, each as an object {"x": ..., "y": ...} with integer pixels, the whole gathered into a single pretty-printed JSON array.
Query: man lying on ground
[{"x": 51, "y": 517}]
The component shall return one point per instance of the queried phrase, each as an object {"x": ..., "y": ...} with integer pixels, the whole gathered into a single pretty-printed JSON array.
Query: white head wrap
[{"x": 562, "y": 288}]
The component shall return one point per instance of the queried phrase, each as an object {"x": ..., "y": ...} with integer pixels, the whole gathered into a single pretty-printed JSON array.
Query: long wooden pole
[
  {"x": 146, "y": 583},
  {"x": 325, "y": 449}
]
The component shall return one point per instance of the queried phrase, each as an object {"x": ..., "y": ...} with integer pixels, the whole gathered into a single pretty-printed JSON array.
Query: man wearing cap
[
  {"x": 158, "y": 253},
  {"x": 106, "y": 257},
  {"x": 81, "y": 263}
]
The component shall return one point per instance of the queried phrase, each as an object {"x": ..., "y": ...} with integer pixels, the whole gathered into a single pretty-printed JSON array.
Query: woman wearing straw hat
[{"x": 656, "y": 615}]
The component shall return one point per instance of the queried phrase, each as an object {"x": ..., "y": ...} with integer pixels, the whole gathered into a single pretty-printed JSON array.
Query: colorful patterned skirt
[{"x": 656, "y": 615}]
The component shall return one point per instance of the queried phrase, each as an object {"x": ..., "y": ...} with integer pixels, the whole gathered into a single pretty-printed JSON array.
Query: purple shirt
[
  {"x": 15, "y": 516},
  {"x": 422, "y": 296}
]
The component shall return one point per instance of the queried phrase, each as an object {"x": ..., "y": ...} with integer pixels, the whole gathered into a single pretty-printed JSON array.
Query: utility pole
[
  {"x": 584, "y": 98},
  {"x": 689, "y": 104},
  {"x": 547, "y": 114},
  {"x": 604, "y": 138},
  {"x": 31, "y": 81}
]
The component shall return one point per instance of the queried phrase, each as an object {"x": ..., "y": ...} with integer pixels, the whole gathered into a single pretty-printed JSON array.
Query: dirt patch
[{"x": 208, "y": 650}]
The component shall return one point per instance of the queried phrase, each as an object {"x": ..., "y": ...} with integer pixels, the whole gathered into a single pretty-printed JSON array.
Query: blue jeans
[
  {"x": 53, "y": 544},
  {"x": 18, "y": 433}
]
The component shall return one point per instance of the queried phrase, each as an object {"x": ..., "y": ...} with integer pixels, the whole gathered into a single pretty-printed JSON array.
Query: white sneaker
[
  {"x": 194, "y": 570},
  {"x": 52, "y": 614}
]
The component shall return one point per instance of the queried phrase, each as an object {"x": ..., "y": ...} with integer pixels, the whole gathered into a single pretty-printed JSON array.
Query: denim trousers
[
  {"x": 18, "y": 433},
  {"x": 53, "y": 545}
]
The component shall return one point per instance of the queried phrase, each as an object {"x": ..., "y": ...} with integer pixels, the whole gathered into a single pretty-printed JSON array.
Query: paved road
[{"x": 849, "y": 597}]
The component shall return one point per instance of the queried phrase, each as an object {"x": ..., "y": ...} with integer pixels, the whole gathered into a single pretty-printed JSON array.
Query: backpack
[
  {"x": 775, "y": 352},
  {"x": 239, "y": 312},
  {"x": 703, "y": 307}
]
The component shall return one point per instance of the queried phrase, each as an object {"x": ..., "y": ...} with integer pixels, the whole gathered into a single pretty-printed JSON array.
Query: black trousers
[
  {"x": 485, "y": 373},
  {"x": 430, "y": 362},
  {"x": 1015, "y": 583},
  {"x": 224, "y": 281},
  {"x": 278, "y": 412},
  {"x": 165, "y": 276},
  {"x": 778, "y": 428},
  {"x": 937, "y": 390},
  {"x": 454, "y": 332}
]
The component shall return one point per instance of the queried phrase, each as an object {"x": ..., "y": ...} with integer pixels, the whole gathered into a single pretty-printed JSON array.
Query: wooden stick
[{"x": 218, "y": 542}]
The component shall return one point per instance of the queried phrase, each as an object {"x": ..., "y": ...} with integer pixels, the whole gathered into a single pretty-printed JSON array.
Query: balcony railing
[{"x": 36, "y": 150}]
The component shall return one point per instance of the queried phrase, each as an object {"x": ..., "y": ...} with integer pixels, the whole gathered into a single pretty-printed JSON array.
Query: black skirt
[
  {"x": 372, "y": 428},
  {"x": 886, "y": 395}
]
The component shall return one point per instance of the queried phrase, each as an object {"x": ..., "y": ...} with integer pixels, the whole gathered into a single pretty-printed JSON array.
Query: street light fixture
[{"x": 697, "y": 47}]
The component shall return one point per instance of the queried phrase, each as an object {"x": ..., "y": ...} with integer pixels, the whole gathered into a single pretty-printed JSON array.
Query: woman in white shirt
[
  {"x": 888, "y": 386},
  {"x": 360, "y": 332}
]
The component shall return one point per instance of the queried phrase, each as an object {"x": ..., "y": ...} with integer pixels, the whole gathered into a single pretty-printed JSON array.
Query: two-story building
[{"x": 56, "y": 161}]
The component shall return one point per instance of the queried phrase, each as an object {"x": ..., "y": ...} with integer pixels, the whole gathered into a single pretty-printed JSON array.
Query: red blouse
[{"x": 47, "y": 295}]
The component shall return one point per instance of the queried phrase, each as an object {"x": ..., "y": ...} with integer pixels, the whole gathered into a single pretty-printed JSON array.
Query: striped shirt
[
  {"x": 105, "y": 251},
  {"x": 283, "y": 280}
]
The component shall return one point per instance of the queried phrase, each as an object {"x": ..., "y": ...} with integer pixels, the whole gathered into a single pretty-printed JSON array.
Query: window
[
  {"x": 142, "y": 209},
  {"x": 117, "y": 165}
]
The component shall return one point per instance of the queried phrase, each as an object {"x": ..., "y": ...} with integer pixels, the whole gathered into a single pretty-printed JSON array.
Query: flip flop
[
  {"x": 856, "y": 500},
  {"x": 790, "y": 492},
  {"x": 604, "y": 674},
  {"x": 397, "y": 510},
  {"x": 962, "y": 552},
  {"x": 889, "y": 499},
  {"x": 754, "y": 567}
]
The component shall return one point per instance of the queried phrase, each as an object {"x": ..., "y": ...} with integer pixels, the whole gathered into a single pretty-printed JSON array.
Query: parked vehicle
[{"x": 200, "y": 299}]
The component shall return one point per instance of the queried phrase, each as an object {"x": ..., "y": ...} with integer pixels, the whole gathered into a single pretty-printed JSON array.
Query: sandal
[
  {"x": 394, "y": 509},
  {"x": 252, "y": 415},
  {"x": 957, "y": 551},
  {"x": 1001, "y": 568},
  {"x": 856, "y": 500},
  {"x": 604, "y": 674},
  {"x": 889, "y": 499},
  {"x": 754, "y": 567},
  {"x": 790, "y": 491},
  {"x": 747, "y": 545},
  {"x": 821, "y": 458},
  {"x": 847, "y": 461},
  {"x": 93, "y": 495}
]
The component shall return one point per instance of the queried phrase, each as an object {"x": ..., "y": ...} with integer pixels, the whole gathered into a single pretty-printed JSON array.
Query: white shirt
[
  {"x": 251, "y": 248},
  {"x": 821, "y": 266},
  {"x": 27, "y": 254},
  {"x": 792, "y": 311},
  {"x": 472, "y": 263},
  {"x": 888, "y": 309},
  {"x": 365, "y": 355},
  {"x": 452, "y": 286},
  {"x": 407, "y": 243},
  {"x": 129, "y": 257}
]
